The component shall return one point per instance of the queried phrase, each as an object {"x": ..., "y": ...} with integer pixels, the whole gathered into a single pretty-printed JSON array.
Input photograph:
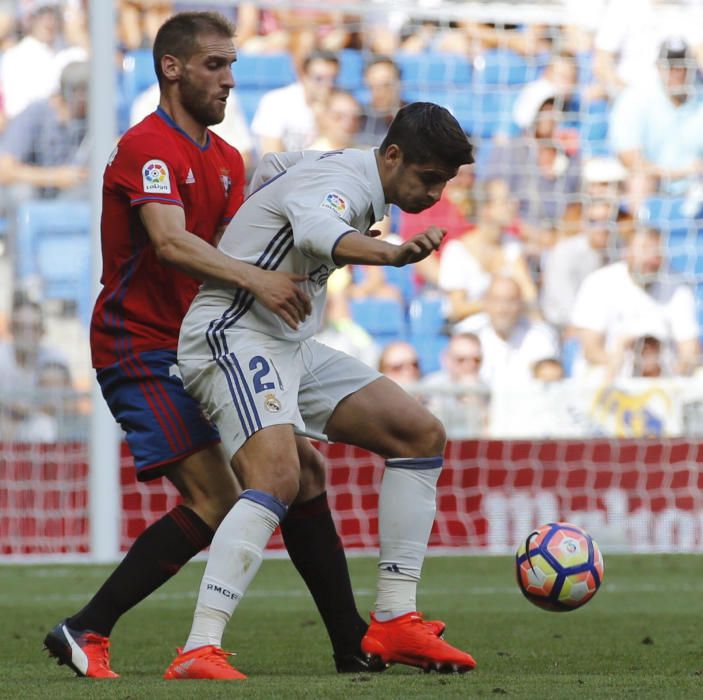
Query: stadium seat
[
  {"x": 429, "y": 349},
  {"x": 263, "y": 71},
  {"x": 434, "y": 69},
  {"x": 680, "y": 232},
  {"x": 137, "y": 73},
  {"x": 351, "y": 70},
  {"x": 401, "y": 277},
  {"x": 382, "y": 318},
  {"x": 249, "y": 99},
  {"x": 426, "y": 316},
  {"x": 594, "y": 128},
  {"x": 505, "y": 67},
  {"x": 53, "y": 246}
]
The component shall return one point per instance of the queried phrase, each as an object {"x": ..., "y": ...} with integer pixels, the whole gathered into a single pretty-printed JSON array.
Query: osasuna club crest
[{"x": 226, "y": 180}]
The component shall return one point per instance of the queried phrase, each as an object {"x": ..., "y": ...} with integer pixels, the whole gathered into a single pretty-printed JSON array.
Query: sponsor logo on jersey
[
  {"x": 320, "y": 275},
  {"x": 335, "y": 203},
  {"x": 271, "y": 403},
  {"x": 190, "y": 178},
  {"x": 155, "y": 177}
]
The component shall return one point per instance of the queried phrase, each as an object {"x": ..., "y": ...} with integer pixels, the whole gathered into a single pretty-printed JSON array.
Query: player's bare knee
[
  {"x": 286, "y": 485},
  {"x": 427, "y": 438}
]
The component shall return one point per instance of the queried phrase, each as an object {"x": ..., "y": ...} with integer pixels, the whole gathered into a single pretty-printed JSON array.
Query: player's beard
[{"x": 199, "y": 104}]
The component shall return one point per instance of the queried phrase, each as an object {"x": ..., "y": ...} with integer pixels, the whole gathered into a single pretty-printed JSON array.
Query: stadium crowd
[{"x": 572, "y": 244}]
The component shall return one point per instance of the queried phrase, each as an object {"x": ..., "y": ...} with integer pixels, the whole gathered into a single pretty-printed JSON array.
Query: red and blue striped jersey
[{"x": 143, "y": 300}]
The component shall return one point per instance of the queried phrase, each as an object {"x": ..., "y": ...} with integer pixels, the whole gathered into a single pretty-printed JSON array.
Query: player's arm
[
  {"x": 356, "y": 248},
  {"x": 277, "y": 291}
]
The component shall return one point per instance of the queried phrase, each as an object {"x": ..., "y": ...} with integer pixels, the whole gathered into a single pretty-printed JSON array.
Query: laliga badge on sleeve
[
  {"x": 336, "y": 203},
  {"x": 155, "y": 177}
]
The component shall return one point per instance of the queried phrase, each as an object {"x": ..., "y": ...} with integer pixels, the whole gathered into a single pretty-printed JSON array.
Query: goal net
[{"x": 629, "y": 474}]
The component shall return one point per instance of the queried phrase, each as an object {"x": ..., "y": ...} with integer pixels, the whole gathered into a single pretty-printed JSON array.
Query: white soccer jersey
[{"x": 291, "y": 223}]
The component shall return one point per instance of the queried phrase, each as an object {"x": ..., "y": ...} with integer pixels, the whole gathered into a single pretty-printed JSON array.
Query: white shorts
[{"x": 266, "y": 381}]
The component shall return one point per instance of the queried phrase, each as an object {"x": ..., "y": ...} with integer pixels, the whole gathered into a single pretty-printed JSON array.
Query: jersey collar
[
  {"x": 167, "y": 118},
  {"x": 380, "y": 209}
]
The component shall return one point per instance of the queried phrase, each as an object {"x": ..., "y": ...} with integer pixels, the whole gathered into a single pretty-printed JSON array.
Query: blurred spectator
[
  {"x": 55, "y": 417},
  {"x": 626, "y": 301},
  {"x": 338, "y": 123},
  {"x": 542, "y": 173},
  {"x": 572, "y": 259},
  {"x": 647, "y": 357},
  {"x": 603, "y": 177},
  {"x": 453, "y": 213},
  {"x": 44, "y": 150},
  {"x": 323, "y": 29},
  {"x": 22, "y": 361},
  {"x": 628, "y": 39},
  {"x": 339, "y": 329},
  {"x": 382, "y": 78},
  {"x": 467, "y": 264},
  {"x": 233, "y": 128},
  {"x": 550, "y": 369},
  {"x": 400, "y": 362},
  {"x": 655, "y": 129},
  {"x": 286, "y": 118},
  {"x": 512, "y": 343},
  {"x": 559, "y": 81},
  {"x": 30, "y": 70},
  {"x": 456, "y": 394},
  {"x": 139, "y": 20}
]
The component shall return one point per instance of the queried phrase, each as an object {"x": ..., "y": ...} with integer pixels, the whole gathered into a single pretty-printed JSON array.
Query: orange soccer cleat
[
  {"x": 408, "y": 639},
  {"x": 86, "y": 652},
  {"x": 204, "y": 663}
]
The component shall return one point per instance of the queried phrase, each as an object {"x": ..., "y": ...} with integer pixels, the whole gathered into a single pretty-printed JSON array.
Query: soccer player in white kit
[{"x": 260, "y": 381}]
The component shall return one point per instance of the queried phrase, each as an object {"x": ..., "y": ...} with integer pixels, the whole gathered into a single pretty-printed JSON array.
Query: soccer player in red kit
[{"x": 170, "y": 187}]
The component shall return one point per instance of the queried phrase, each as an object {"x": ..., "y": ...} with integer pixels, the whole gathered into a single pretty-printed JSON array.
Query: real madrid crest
[{"x": 271, "y": 403}]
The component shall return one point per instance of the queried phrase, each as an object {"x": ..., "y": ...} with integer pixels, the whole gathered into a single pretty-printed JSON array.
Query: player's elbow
[{"x": 168, "y": 250}]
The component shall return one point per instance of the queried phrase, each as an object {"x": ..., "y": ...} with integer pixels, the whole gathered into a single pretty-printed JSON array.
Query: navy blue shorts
[{"x": 162, "y": 422}]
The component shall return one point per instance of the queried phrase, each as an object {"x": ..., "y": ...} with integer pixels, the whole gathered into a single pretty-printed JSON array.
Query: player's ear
[
  {"x": 171, "y": 67},
  {"x": 393, "y": 155}
]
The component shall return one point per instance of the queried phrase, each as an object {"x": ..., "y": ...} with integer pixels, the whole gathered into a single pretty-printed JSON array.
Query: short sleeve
[
  {"x": 320, "y": 215},
  {"x": 144, "y": 171}
]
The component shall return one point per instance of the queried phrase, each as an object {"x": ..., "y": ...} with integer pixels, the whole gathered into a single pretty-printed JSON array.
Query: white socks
[
  {"x": 406, "y": 511},
  {"x": 235, "y": 556}
]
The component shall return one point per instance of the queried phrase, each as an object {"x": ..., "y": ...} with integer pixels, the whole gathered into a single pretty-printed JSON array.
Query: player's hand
[
  {"x": 279, "y": 292},
  {"x": 419, "y": 246}
]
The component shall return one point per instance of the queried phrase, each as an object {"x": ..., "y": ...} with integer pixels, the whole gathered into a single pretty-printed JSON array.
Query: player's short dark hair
[
  {"x": 428, "y": 133},
  {"x": 178, "y": 35}
]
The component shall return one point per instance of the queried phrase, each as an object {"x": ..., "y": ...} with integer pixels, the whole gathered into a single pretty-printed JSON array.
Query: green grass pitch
[{"x": 640, "y": 637}]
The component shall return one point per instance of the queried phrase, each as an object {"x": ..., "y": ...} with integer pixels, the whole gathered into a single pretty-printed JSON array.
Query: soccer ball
[{"x": 559, "y": 567}]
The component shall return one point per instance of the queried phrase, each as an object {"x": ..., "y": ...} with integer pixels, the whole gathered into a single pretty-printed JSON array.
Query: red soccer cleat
[
  {"x": 408, "y": 639},
  {"x": 86, "y": 652},
  {"x": 204, "y": 663}
]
